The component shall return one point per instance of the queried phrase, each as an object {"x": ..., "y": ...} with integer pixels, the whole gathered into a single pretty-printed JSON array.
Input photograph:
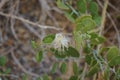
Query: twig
[
  {"x": 115, "y": 27},
  {"x": 103, "y": 20},
  {"x": 22, "y": 68},
  {"x": 103, "y": 17},
  {"x": 46, "y": 11},
  {"x": 7, "y": 51},
  {"x": 112, "y": 6},
  {"x": 12, "y": 21},
  {"x": 2, "y": 3},
  {"x": 84, "y": 72},
  {"x": 29, "y": 22},
  {"x": 31, "y": 29},
  {"x": 113, "y": 23},
  {"x": 9, "y": 75}
]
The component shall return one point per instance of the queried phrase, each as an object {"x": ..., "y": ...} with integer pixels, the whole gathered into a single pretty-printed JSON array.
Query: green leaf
[
  {"x": 82, "y": 6},
  {"x": 49, "y": 38},
  {"x": 2, "y": 60},
  {"x": 89, "y": 0},
  {"x": 54, "y": 67},
  {"x": 96, "y": 39},
  {"x": 97, "y": 19},
  {"x": 33, "y": 44},
  {"x": 85, "y": 23},
  {"x": 60, "y": 54},
  {"x": 114, "y": 61},
  {"x": 63, "y": 67},
  {"x": 88, "y": 58},
  {"x": 39, "y": 78},
  {"x": 74, "y": 77},
  {"x": 61, "y": 5},
  {"x": 93, "y": 7},
  {"x": 117, "y": 75},
  {"x": 73, "y": 52},
  {"x": 86, "y": 49},
  {"x": 7, "y": 71},
  {"x": 75, "y": 68},
  {"x": 69, "y": 17},
  {"x": 24, "y": 77},
  {"x": 94, "y": 69},
  {"x": 112, "y": 52},
  {"x": 45, "y": 77},
  {"x": 39, "y": 56},
  {"x": 58, "y": 78}
]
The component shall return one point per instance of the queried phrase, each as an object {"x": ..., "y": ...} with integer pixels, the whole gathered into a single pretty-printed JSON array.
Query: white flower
[{"x": 60, "y": 42}]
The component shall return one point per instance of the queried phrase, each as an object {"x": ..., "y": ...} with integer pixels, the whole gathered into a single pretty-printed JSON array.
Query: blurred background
[{"x": 20, "y": 22}]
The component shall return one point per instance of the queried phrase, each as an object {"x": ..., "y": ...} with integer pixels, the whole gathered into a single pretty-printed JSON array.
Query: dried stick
[
  {"x": 31, "y": 29},
  {"x": 112, "y": 6},
  {"x": 103, "y": 16},
  {"x": 8, "y": 75},
  {"x": 46, "y": 11},
  {"x": 7, "y": 51},
  {"x": 2, "y": 3},
  {"x": 103, "y": 20},
  {"x": 113, "y": 23},
  {"x": 29, "y": 22},
  {"x": 12, "y": 21}
]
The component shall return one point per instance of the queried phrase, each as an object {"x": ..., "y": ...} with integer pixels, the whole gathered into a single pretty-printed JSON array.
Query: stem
[
  {"x": 103, "y": 20},
  {"x": 103, "y": 16}
]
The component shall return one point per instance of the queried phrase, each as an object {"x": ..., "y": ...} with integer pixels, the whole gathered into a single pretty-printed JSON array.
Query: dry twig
[
  {"x": 113, "y": 23},
  {"x": 29, "y": 22}
]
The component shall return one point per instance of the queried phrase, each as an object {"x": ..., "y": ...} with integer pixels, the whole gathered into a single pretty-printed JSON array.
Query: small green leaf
[
  {"x": 74, "y": 77},
  {"x": 112, "y": 52},
  {"x": 2, "y": 60},
  {"x": 81, "y": 5},
  {"x": 7, "y": 71},
  {"x": 86, "y": 49},
  {"x": 39, "y": 78},
  {"x": 75, "y": 68},
  {"x": 97, "y": 19},
  {"x": 93, "y": 7},
  {"x": 63, "y": 67},
  {"x": 61, "y": 5},
  {"x": 39, "y": 56},
  {"x": 33, "y": 44},
  {"x": 114, "y": 61},
  {"x": 54, "y": 67},
  {"x": 60, "y": 54},
  {"x": 88, "y": 58},
  {"x": 58, "y": 78},
  {"x": 48, "y": 38},
  {"x": 73, "y": 52},
  {"x": 85, "y": 23},
  {"x": 45, "y": 77},
  {"x": 89, "y": 0},
  {"x": 24, "y": 77},
  {"x": 69, "y": 17},
  {"x": 96, "y": 39},
  {"x": 94, "y": 69},
  {"x": 117, "y": 75}
]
